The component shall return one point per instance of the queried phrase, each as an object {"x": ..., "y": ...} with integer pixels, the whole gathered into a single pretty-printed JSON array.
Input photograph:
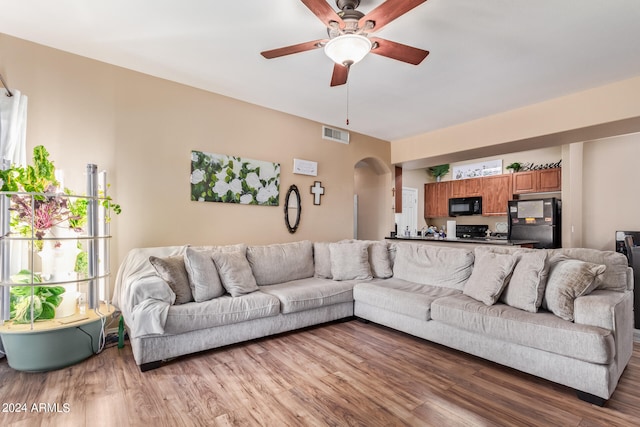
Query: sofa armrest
[
  {"x": 600, "y": 308},
  {"x": 613, "y": 311},
  {"x": 150, "y": 287},
  {"x": 146, "y": 305}
]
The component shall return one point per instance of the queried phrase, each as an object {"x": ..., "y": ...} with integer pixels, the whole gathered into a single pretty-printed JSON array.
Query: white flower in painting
[
  {"x": 253, "y": 181},
  {"x": 201, "y": 199},
  {"x": 220, "y": 188},
  {"x": 235, "y": 186},
  {"x": 246, "y": 199},
  {"x": 267, "y": 170},
  {"x": 222, "y": 175},
  {"x": 197, "y": 176},
  {"x": 265, "y": 193},
  {"x": 194, "y": 156}
]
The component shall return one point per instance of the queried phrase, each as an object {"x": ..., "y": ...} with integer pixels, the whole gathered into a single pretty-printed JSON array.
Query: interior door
[{"x": 409, "y": 215}]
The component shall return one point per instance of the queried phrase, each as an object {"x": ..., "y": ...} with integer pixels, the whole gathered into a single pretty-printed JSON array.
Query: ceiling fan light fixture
[{"x": 348, "y": 49}]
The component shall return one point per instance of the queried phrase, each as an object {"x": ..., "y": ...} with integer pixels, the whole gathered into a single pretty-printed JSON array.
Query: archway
[{"x": 372, "y": 199}]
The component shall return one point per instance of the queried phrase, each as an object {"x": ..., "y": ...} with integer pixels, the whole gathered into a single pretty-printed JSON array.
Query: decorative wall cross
[{"x": 317, "y": 190}]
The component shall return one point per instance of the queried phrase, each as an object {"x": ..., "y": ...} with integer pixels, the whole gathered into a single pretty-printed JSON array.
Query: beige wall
[
  {"x": 375, "y": 213},
  {"x": 612, "y": 198},
  {"x": 142, "y": 129},
  {"x": 593, "y": 114}
]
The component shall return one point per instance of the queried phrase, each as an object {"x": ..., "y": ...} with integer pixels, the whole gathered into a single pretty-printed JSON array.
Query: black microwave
[{"x": 459, "y": 206}]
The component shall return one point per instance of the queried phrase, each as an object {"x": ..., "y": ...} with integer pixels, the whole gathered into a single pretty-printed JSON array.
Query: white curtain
[
  {"x": 13, "y": 127},
  {"x": 13, "y": 147}
]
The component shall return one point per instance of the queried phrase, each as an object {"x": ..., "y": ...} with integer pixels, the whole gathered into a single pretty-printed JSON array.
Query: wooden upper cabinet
[
  {"x": 496, "y": 193},
  {"x": 466, "y": 187},
  {"x": 550, "y": 180},
  {"x": 524, "y": 182},
  {"x": 398, "y": 190},
  {"x": 538, "y": 181},
  {"x": 436, "y": 199}
]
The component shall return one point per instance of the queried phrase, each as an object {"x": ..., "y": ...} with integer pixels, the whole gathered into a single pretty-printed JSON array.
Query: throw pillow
[
  {"x": 235, "y": 273},
  {"x": 203, "y": 276},
  {"x": 379, "y": 260},
  {"x": 350, "y": 261},
  {"x": 322, "y": 260},
  {"x": 528, "y": 281},
  {"x": 490, "y": 275},
  {"x": 171, "y": 270},
  {"x": 568, "y": 280}
]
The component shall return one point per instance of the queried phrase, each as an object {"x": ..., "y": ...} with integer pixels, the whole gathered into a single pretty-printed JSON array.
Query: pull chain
[{"x": 347, "y": 103}]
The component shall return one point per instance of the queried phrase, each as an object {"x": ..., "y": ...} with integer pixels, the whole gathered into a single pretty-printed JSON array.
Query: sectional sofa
[{"x": 565, "y": 315}]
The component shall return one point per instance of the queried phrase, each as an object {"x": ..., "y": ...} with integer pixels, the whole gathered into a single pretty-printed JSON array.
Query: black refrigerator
[
  {"x": 628, "y": 243},
  {"x": 536, "y": 219}
]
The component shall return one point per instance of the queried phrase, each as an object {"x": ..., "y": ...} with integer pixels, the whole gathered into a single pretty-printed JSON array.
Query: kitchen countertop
[{"x": 482, "y": 241}]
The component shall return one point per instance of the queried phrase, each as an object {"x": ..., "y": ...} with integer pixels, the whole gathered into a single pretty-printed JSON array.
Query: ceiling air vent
[{"x": 336, "y": 135}]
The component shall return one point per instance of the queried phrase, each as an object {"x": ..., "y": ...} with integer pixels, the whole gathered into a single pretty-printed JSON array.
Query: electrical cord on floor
[{"x": 90, "y": 338}]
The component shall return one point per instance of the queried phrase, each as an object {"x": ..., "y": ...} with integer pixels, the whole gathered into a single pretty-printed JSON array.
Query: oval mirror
[{"x": 292, "y": 209}]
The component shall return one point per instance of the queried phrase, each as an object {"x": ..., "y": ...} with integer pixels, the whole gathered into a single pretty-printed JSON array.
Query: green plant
[
  {"x": 439, "y": 170},
  {"x": 44, "y": 299},
  {"x": 515, "y": 166},
  {"x": 34, "y": 216}
]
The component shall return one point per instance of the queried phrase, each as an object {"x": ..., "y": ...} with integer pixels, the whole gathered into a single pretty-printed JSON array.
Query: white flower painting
[{"x": 229, "y": 179}]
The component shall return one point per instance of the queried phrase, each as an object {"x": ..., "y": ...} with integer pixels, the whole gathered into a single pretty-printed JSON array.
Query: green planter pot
[{"x": 52, "y": 346}]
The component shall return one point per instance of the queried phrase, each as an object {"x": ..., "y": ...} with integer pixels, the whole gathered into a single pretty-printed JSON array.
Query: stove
[{"x": 471, "y": 231}]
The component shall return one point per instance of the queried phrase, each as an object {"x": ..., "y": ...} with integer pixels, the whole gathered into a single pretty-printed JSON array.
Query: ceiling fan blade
[
  {"x": 322, "y": 10},
  {"x": 340, "y": 74},
  {"x": 296, "y": 48},
  {"x": 398, "y": 51},
  {"x": 388, "y": 11}
]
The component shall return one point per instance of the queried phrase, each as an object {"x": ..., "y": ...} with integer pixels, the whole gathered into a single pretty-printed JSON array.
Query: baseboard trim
[{"x": 636, "y": 335}]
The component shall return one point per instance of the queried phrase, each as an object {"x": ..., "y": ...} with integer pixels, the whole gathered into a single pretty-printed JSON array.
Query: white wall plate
[{"x": 305, "y": 167}]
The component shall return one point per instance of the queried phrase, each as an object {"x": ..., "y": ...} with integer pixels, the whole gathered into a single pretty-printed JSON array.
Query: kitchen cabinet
[
  {"x": 537, "y": 181},
  {"x": 466, "y": 187},
  {"x": 496, "y": 192},
  {"x": 549, "y": 180},
  {"x": 436, "y": 199}
]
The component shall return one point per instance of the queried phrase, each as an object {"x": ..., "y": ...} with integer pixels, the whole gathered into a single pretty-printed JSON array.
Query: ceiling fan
[{"x": 350, "y": 35}]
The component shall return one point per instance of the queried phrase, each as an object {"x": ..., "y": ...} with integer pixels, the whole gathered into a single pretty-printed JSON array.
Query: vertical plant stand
[{"x": 43, "y": 345}]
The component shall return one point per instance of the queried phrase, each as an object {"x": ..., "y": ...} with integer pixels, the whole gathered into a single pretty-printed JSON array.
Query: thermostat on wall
[{"x": 305, "y": 167}]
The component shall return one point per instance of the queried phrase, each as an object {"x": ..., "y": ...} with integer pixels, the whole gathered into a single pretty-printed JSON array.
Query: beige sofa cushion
[
  {"x": 172, "y": 270},
  {"x": 431, "y": 265},
  {"x": 282, "y": 262},
  {"x": 350, "y": 261},
  {"x": 322, "y": 260},
  {"x": 225, "y": 310},
  {"x": 569, "y": 279},
  {"x": 614, "y": 277},
  {"x": 528, "y": 281},
  {"x": 203, "y": 276},
  {"x": 235, "y": 273},
  {"x": 491, "y": 272},
  {"x": 541, "y": 330},
  {"x": 310, "y": 293},
  {"x": 399, "y": 296}
]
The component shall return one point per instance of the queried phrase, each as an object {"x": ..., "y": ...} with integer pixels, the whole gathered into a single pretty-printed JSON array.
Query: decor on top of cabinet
[
  {"x": 534, "y": 167},
  {"x": 230, "y": 179},
  {"x": 514, "y": 167},
  {"x": 438, "y": 171},
  {"x": 477, "y": 170}
]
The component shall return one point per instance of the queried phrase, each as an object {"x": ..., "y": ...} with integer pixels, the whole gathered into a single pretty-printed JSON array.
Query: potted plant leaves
[
  {"x": 514, "y": 167},
  {"x": 439, "y": 171}
]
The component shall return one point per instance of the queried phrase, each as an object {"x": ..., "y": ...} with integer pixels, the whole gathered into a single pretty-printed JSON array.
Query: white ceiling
[{"x": 486, "y": 56}]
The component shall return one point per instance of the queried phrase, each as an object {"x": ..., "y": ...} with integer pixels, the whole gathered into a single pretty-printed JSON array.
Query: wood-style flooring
[{"x": 339, "y": 374}]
